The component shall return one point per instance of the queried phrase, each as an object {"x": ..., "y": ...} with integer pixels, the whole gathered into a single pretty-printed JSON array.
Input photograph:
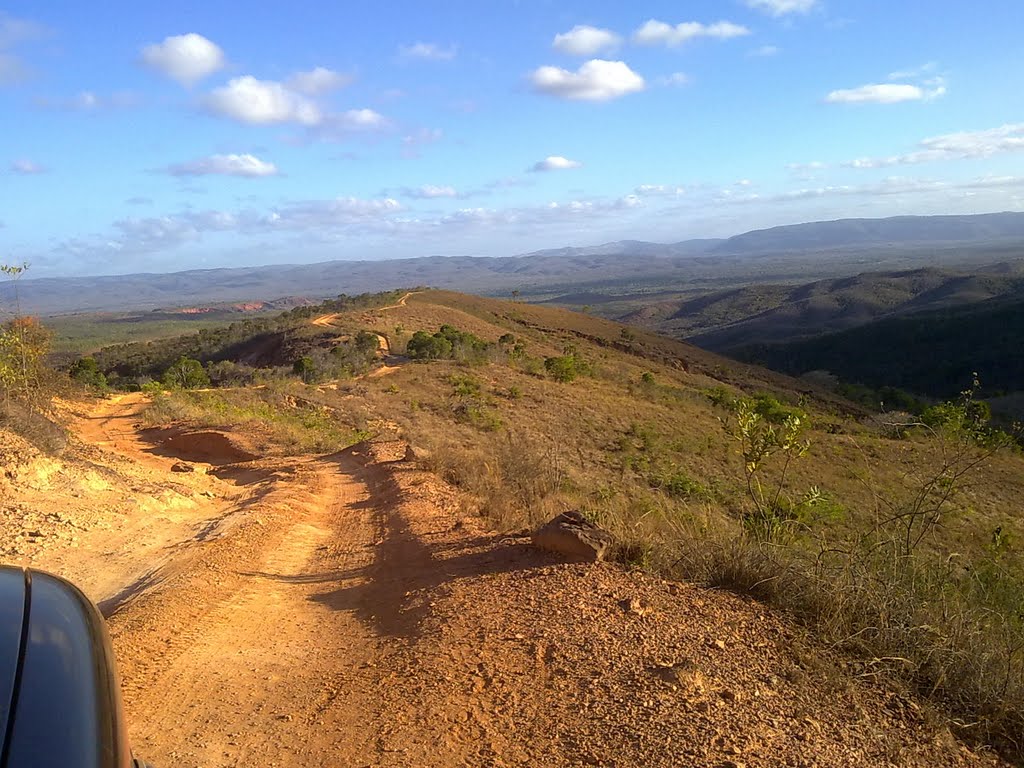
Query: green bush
[
  {"x": 186, "y": 373},
  {"x": 423, "y": 346},
  {"x": 87, "y": 371},
  {"x": 567, "y": 366}
]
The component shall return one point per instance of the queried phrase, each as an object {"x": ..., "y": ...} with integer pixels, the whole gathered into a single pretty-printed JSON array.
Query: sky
[{"x": 157, "y": 137}]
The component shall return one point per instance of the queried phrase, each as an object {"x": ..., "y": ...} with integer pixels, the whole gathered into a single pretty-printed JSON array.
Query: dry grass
[
  {"x": 272, "y": 416},
  {"x": 651, "y": 461}
]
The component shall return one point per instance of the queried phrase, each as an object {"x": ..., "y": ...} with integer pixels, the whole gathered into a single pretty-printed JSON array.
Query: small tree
[
  {"x": 424, "y": 346},
  {"x": 24, "y": 343},
  {"x": 305, "y": 369},
  {"x": 763, "y": 443},
  {"x": 963, "y": 442},
  {"x": 563, "y": 368},
  {"x": 87, "y": 371},
  {"x": 186, "y": 373}
]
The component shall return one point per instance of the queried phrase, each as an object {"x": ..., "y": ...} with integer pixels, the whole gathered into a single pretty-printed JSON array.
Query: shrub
[
  {"x": 87, "y": 371},
  {"x": 305, "y": 369},
  {"x": 24, "y": 343},
  {"x": 186, "y": 373},
  {"x": 567, "y": 366},
  {"x": 562, "y": 368},
  {"x": 423, "y": 346}
]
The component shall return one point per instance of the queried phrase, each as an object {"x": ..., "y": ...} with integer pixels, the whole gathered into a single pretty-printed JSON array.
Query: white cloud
[
  {"x": 248, "y": 166},
  {"x": 583, "y": 40},
  {"x": 765, "y": 51},
  {"x": 916, "y": 72},
  {"x": 660, "y": 190},
  {"x": 654, "y": 32},
  {"x": 596, "y": 80},
  {"x": 676, "y": 79},
  {"x": 13, "y": 32},
  {"x": 782, "y": 7},
  {"x": 814, "y": 165},
  {"x": 90, "y": 101},
  {"x": 25, "y": 167},
  {"x": 806, "y": 171},
  {"x": 317, "y": 81},
  {"x": 555, "y": 163},
  {"x": 422, "y": 136},
  {"x": 354, "y": 122},
  {"x": 430, "y": 192},
  {"x": 427, "y": 51},
  {"x": 962, "y": 145},
  {"x": 185, "y": 58},
  {"x": 341, "y": 211},
  {"x": 11, "y": 69},
  {"x": 965, "y": 144},
  {"x": 262, "y": 102},
  {"x": 885, "y": 93}
]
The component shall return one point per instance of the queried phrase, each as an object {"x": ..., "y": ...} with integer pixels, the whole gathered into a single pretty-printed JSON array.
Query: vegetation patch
[{"x": 273, "y": 413}]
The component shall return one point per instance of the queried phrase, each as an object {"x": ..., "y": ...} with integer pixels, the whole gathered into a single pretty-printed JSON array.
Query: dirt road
[
  {"x": 326, "y": 321},
  {"x": 341, "y": 611}
]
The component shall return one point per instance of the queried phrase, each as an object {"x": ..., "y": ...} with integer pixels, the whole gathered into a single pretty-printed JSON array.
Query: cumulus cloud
[
  {"x": 654, "y": 32},
  {"x": 962, "y": 145},
  {"x": 317, "y": 81},
  {"x": 26, "y": 167},
  {"x": 555, "y": 163},
  {"x": 596, "y": 80},
  {"x": 782, "y": 7},
  {"x": 186, "y": 58},
  {"x": 261, "y": 102},
  {"x": 427, "y": 51},
  {"x": 583, "y": 40},
  {"x": 248, "y": 166},
  {"x": 886, "y": 93}
]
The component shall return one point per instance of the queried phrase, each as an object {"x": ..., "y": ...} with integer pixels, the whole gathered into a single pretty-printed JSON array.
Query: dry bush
[
  {"x": 516, "y": 479},
  {"x": 33, "y": 424}
]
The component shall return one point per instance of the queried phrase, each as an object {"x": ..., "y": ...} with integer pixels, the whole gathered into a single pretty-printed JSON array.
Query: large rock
[{"x": 572, "y": 535}]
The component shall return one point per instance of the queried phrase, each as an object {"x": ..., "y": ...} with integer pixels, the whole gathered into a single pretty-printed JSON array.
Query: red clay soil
[{"x": 340, "y": 611}]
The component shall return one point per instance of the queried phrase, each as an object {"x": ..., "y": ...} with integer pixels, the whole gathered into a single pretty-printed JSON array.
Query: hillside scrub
[
  {"x": 27, "y": 383},
  {"x": 820, "y": 529},
  {"x": 274, "y": 415},
  {"x": 448, "y": 343},
  {"x": 261, "y": 342}
]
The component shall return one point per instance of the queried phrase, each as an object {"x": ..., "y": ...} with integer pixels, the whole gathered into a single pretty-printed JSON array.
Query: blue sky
[{"x": 159, "y": 137}]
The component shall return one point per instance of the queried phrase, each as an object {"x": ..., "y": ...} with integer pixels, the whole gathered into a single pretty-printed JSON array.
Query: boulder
[
  {"x": 415, "y": 453},
  {"x": 181, "y": 466},
  {"x": 572, "y": 535}
]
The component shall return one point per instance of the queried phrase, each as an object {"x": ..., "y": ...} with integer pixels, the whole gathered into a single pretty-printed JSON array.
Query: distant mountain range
[{"x": 809, "y": 250}]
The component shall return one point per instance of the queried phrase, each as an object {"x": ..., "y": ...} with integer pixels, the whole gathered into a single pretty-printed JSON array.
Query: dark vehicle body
[{"x": 60, "y": 702}]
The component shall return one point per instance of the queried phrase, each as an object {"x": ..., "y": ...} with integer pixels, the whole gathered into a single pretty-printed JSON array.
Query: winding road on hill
[{"x": 342, "y": 610}]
